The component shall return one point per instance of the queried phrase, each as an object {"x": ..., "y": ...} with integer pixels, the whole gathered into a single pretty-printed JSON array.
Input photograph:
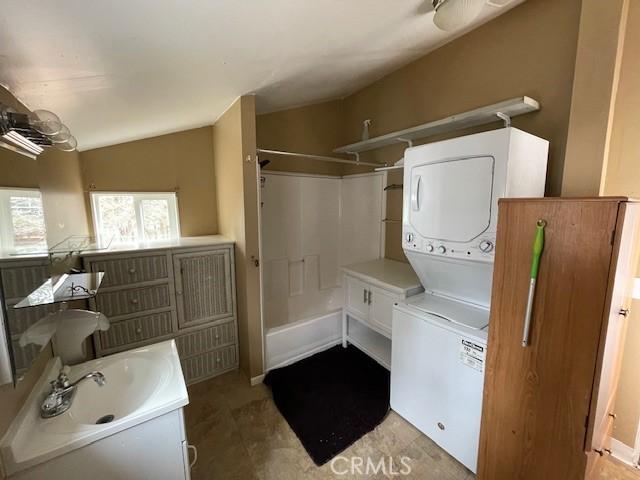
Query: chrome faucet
[{"x": 60, "y": 397}]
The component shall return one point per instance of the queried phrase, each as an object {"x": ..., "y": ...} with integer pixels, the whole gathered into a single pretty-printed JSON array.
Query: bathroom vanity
[{"x": 131, "y": 427}]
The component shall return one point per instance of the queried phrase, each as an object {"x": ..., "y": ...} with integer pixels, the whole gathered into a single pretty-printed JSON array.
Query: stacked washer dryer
[{"x": 451, "y": 192}]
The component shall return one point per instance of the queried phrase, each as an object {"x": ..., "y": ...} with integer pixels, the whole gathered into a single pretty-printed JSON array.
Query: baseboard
[
  {"x": 293, "y": 342},
  {"x": 623, "y": 452},
  {"x": 257, "y": 380}
]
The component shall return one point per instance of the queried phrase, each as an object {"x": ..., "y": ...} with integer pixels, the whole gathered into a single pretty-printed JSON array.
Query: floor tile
[{"x": 241, "y": 435}]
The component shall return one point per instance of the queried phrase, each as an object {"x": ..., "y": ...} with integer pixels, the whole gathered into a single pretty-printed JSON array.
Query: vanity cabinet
[
  {"x": 183, "y": 291},
  {"x": 156, "y": 449},
  {"x": 371, "y": 289}
]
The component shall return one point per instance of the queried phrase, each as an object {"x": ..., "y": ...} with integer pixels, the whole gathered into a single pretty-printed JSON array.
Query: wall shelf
[{"x": 480, "y": 116}]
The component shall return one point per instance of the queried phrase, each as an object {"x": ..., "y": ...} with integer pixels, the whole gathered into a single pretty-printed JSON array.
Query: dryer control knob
[
  {"x": 442, "y": 249},
  {"x": 429, "y": 248},
  {"x": 409, "y": 237},
  {"x": 486, "y": 246}
]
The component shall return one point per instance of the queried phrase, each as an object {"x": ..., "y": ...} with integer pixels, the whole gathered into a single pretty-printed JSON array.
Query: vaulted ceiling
[{"x": 119, "y": 70}]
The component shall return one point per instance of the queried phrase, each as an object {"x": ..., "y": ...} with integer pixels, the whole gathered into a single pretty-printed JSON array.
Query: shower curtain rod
[{"x": 315, "y": 157}]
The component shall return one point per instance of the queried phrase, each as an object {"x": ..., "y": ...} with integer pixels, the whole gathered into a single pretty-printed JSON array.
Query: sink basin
[
  {"x": 141, "y": 384},
  {"x": 130, "y": 383}
]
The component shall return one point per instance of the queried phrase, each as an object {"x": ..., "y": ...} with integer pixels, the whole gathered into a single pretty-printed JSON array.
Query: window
[
  {"x": 22, "y": 227},
  {"x": 135, "y": 217}
]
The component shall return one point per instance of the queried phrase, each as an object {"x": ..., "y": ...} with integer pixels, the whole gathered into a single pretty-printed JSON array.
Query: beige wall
[
  {"x": 598, "y": 61},
  {"x": 623, "y": 178},
  {"x": 530, "y": 50},
  {"x": 234, "y": 140},
  {"x": 315, "y": 129},
  {"x": 181, "y": 162}
]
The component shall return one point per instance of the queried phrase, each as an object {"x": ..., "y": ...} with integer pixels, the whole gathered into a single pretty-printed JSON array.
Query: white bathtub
[{"x": 291, "y": 342}]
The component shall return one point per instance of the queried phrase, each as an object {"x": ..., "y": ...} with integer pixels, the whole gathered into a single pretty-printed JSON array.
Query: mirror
[
  {"x": 31, "y": 291},
  {"x": 42, "y": 203}
]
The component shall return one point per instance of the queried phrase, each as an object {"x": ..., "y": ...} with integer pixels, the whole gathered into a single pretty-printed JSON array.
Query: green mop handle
[{"x": 538, "y": 247}]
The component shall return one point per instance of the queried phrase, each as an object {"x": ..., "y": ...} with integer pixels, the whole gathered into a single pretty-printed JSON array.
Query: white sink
[{"x": 141, "y": 384}]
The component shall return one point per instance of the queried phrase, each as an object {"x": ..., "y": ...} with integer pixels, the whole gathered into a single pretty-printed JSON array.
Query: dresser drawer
[
  {"x": 206, "y": 339},
  {"x": 22, "y": 318},
  {"x": 137, "y": 329},
  {"x": 129, "y": 270},
  {"x": 209, "y": 364},
  {"x": 122, "y": 302},
  {"x": 18, "y": 282}
]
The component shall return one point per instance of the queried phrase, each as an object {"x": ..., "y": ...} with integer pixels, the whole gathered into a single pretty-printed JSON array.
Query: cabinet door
[
  {"x": 537, "y": 398},
  {"x": 357, "y": 298},
  {"x": 203, "y": 286},
  {"x": 381, "y": 309},
  {"x": 612, "y": 340}
]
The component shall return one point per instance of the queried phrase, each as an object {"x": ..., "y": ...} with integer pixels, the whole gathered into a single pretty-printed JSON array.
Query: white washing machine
[{"x": 451, "y": 192}]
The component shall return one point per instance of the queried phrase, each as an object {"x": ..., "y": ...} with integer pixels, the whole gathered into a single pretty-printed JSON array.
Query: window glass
[
  {"x": 156, "y": 220},
  {"x": 22, "y": 225},
  {"x": 133, "y": 217},
  {"x": 117, "y": 218}
]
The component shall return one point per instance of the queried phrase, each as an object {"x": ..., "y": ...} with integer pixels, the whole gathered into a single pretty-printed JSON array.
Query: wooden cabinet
[{"x": 546, "y": 405}]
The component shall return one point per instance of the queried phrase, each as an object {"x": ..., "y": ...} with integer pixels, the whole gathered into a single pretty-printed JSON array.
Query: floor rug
[{"x": 331, "y": 399}]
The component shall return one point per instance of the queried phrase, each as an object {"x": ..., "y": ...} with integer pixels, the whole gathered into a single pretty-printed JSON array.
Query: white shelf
[
  {"x": 374, "y": 344},
  {"x": 479, "y": 116},
  {"x": 386, "y": 169}
]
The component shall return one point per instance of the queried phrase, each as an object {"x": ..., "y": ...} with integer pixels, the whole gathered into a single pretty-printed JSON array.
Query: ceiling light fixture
[
  {"x": 19, "y": 141},
  {"x": 454, "y": 14},
  {"x": 29, "y": 132}
]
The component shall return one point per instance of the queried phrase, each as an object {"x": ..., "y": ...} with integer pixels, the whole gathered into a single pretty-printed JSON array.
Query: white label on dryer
[{"x": 472, "y": 355}]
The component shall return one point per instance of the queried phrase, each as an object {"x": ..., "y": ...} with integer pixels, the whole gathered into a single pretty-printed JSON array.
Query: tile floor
[{"x": 241, "y": 435}]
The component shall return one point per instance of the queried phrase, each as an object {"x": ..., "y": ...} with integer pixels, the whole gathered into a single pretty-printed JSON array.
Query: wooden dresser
[{"x": 183, "y": 290}]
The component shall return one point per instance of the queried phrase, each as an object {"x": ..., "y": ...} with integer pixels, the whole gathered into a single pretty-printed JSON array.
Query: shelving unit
[
  {"x": 262, "y": 152},
  {"x": 480, "y": 116}
]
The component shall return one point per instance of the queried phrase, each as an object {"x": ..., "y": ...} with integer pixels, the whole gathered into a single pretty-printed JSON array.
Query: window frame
[
  {"x": 7, "y": 234},
  {"x": 138, "y": 198}
]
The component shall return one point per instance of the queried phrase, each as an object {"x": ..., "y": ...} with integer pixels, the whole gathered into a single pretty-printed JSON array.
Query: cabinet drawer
[
  {"x": 137, "y": 329},
  {"x": 206, "y": 339},
  {"x": 125, "y": 271},
  {"x": 18, "y": 282},
  {"x": 122, "y": 302},
  {"x": 22, "y": 318},
  {"x": 24, "y": 356},
  {"x": 208, "y": 364}
]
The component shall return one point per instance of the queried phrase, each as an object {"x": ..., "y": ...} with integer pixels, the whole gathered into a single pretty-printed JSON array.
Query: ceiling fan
[{"x": 454, "y": 14}]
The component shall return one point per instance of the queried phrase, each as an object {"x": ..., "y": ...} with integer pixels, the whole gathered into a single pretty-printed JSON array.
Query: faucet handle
[
  {"x": 51, "y": 401},
  {"x": 63, "y": 377}
]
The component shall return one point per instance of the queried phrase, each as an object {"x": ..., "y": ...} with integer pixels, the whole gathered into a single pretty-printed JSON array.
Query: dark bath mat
[{"x": 331, "y": 399}]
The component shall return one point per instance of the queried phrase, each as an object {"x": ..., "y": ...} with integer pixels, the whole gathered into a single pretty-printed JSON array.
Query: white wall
[{"x": 311, "y": 226}]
